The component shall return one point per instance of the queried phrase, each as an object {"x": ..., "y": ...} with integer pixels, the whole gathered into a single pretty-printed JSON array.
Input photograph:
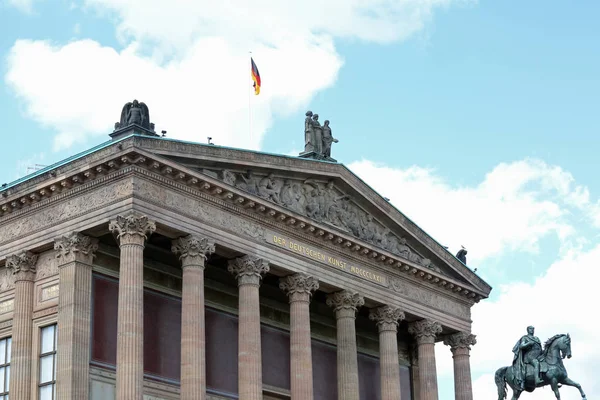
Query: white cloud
[
  {"x": 512, "y": 209},
  {"x": 563, "y": 300},
  {"x": 25, "y": 6},
  {"x": 79, "y": 88},
  {"x": 188, "y": 60},
  {"x": 269, "y": 21}
]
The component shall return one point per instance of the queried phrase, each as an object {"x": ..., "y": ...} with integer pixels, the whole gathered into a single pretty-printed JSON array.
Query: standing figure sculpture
[
  {"x": 309, "y": 136},
  {"x": 533, "y": 367},
  {"x": 328, "y": 139},
  {"x": 317, "y": 139},
  {"x": 317, "y": 134}
]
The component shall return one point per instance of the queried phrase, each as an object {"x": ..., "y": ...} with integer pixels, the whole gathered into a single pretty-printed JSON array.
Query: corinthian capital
[
  {"x": 387, "y": 318},
  {"x": 425, "y": 330},
  {"x": 345, "y": 303},
  {"x": 132, "y": 228},
  {"x": 75, "y": 247},
  {"x": 193, "y": 250},
  {"x": 460, "y": 340},
  {"x": 22, "y": 265},
  {"x": 248, "y": 270},
  {"x": 299, "y": 287}
]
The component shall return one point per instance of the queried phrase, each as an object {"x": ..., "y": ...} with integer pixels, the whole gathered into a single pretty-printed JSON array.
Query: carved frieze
[
  {"x": 47, "y": 265},
  {"x": 324, "y": 203},
  {"x": 428, "y": 298},
  {"x": 198, "y": 209},
  {"x": 7, "y": 280},
  {"x": 7, "y": 306},
  {"x": 65, "y": 210}
]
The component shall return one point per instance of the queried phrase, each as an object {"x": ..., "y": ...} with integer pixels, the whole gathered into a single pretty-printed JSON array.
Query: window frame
[
  {"x": 6, "y": 365},
  {"x": 36, "y": 351}
]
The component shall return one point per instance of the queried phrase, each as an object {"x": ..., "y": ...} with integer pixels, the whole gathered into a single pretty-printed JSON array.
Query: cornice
[{"x": 114, "y": 165}]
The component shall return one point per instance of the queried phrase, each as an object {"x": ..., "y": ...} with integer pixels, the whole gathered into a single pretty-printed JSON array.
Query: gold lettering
[{"x": 308, "y": 252}]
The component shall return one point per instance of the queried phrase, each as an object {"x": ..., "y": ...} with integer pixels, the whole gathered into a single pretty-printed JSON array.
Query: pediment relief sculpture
[{"x": 324, "y": 204}]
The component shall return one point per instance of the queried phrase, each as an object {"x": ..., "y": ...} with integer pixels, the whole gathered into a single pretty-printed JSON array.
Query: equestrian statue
[{"x": 534, "y": 366}]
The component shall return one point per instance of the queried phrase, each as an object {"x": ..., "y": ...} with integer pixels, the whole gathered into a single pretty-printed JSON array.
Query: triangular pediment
[{"x": 328, "y": 194}]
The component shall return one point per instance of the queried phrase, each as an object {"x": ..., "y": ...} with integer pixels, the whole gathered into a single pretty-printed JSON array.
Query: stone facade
[{"x": 327, "y": 238}]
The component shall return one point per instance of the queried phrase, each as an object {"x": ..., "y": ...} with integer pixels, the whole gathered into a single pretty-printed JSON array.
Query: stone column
[
  {"x": 345, "y": 304},
  {"x": 75, "y": 254},
  {"x": 460, "y": 345},
  {"x": 414, "y": 371},
  {"x": 131, "y": 231},
  {"x": 248, "y": 271},
  {"x": 387, "y": 321},
  {"x": 192, "y": 252},
  {"x": 425, "y": 332},
  {"x": 299, "y": 288},
  {"x": 23, "y": 266}
]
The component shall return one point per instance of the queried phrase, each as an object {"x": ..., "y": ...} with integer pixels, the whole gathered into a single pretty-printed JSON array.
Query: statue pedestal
[
  {"x": 315, "y": 156},
  {"x": 132, "y": 130}
]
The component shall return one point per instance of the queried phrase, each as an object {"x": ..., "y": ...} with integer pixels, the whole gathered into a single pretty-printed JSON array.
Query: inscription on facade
[
  {"x": 7, "y": 306},
  {"x": 50, "y": 292},
  {"x": 325, "y": 258}
]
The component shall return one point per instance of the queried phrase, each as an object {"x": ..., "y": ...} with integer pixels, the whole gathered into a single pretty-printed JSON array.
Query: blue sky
[{"x": 478, "y": 119}]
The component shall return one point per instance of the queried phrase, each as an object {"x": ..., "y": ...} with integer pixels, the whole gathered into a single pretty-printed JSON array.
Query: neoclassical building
[{"x": 152, "y": 268}]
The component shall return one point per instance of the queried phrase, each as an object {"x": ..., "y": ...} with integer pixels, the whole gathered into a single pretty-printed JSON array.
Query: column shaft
[
  {"x": 425, "y": 332},
  {"x": 389, "y": 365},
  {"x": 248, "y": 271},
  {"x": 193, "y": 341},
  {"x": 21, "y": 358},
  {"x": 345, "y": 304},
  {"x": 460, "y": 344},
  {"x": 300, "y": 351},
  {"x": 462, "y": 375},
  {"x": 427, "y": 371},
  {"x": 249, "y": 350},
  {"x": 23, "y": 266},
  {"x": 347, "y": 359},
  {"x": 131, "y": 232},
  {"x": 387, "y": 322},
  {"x": 130, "y": 324},
  {"x": 193, "y": 252},
  {"x": 299, "y": 288},
  {"x": 75, "y": 254},
  {"x": 74, "y": 316}
]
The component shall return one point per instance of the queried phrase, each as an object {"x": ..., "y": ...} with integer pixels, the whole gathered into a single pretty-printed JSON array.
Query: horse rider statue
[
  {"x": 534, "y": 368},
  {"x": 527, "y": 351}
]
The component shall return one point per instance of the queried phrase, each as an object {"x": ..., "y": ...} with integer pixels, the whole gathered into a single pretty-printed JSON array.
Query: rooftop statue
[
  {"x": 135, "y": 113},
  {"x": 462, "y": 255},
  {"x": 317, "y": 138},
  {"x": 534, "y": 367}
]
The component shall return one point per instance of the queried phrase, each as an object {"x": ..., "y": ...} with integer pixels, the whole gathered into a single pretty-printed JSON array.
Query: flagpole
[{"x": 250, "y": 105}]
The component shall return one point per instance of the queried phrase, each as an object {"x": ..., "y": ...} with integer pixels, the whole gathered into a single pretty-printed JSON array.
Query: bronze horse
[{"x": 553, "y": 371}]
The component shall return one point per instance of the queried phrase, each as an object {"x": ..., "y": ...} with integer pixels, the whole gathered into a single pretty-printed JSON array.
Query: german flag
[{"x": 255, "y": 77}]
